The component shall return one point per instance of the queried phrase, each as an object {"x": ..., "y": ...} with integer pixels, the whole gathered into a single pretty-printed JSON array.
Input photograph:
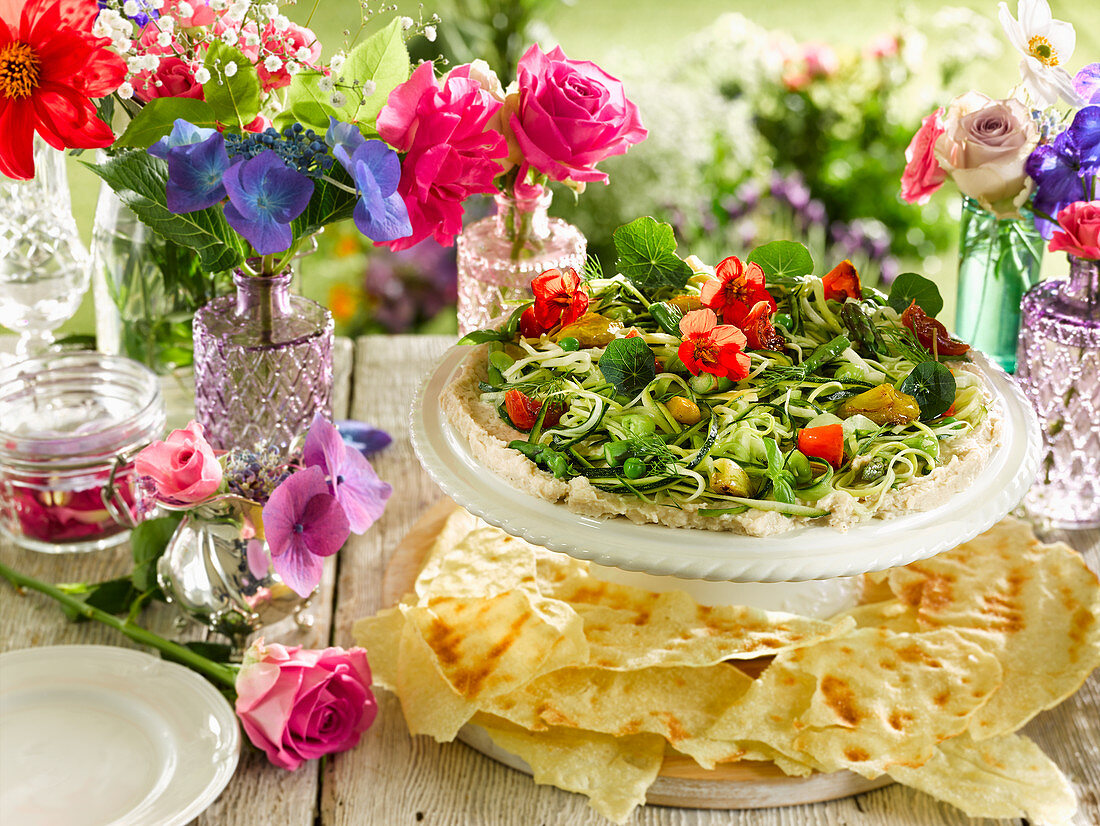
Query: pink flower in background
[
  {"x": 883, "y": 46},
  {"x": 303, "y": 523},
  {"x": 176, "y": 80},
  {"x": 1079, "y": 230},
  {"x": 819, "y": 58},
  {"x": 296, "y": 704},
  {"x": 295, "y": 43},
  {"x": 923, "y": 174},
  {"x": 571, "y": 115},
  {"x": 450, "y": 150},
  {"x": 183, "y": 467},
  {"x": 188, "y": 14}
]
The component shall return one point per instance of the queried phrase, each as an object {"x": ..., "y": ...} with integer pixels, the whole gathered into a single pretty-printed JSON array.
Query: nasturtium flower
[
  {"x": 265, "y": 195},
  {"x": 710, "y": 347},
  {"x": 303, "y": 523},
  {"x": 195, "y": 174},
  {"x": 1065, "y": 169},
  {"x": 561, "y": 297},
  {"x": 735, "y": 290},
  {"x": 1046, "y": 44},
  {"x": 759, "y": 329},
  {"x": 353, "y": 482}
]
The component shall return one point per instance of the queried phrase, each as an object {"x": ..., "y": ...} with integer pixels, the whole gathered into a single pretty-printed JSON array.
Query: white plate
[
  {"x": 92, "y": 735},
  {"x": 800, "y": 554}
]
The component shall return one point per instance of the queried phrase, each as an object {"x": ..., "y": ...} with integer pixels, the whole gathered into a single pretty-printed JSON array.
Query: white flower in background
[
  {"x": 369, "y": 88},
  {"x": 125, "y": 91},
  {"x": 338, "y": 100},
  {"x": 281, "y": 22},
  {"x": 252, "y": 39},
  {"x": 202, "y": 74},
  {"x": 230, "y": 69},
  {"x": 327, "y": 84},
  {"x": 229, "y": 37},
  {"x": 156, "y": 4},
  {"x": 273, "y": 63},
  {"x": 1046, "y": 44},
  {"x": 166, "y": 23},
  {"x": 303, "y": 54},
  {"x": 186, "y": 9},
  {"x": 429, "y": 32},
  {"x": 269, "y": 9},
  {"x": 407, "y": 23},
  {"x": 337, "y": 61},
  {"x": 164, "y": 38},
  {"x": 130, "y": 8},
  {"x": 293, "y": 67}
]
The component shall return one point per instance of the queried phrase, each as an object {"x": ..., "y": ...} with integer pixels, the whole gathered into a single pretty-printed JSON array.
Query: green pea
[
  {"x": 569, "y": 344},
  {"x": 638, "y": 424},
  {"x": 616, "y": 453},
  {"x": 501, "y": 361},
  {"x": 634, "y": 468},
  {"x": 782, "y": 320},
  {"x": 799, "y": 466}
]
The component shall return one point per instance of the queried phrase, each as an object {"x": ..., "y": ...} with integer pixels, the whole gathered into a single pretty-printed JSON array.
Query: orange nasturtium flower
[
  {"x": 561, "y": 297},
  {"x": 736, "y": 290},
  {"x": 710, "y": 347}
]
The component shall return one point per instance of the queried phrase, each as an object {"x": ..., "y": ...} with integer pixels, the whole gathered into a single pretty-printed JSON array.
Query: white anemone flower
[{"x": 1046, "y": 44}]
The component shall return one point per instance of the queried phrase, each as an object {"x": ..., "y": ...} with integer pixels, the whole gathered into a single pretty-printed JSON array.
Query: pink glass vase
[
  {"x": 263, "y": 363},
  {"x": 1058, "y": 366},
  {"x": 499, "y": 255}
]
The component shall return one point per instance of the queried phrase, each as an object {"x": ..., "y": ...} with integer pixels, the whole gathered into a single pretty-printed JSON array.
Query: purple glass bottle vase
[
  {"x": 1058, "y": 366},
  {"x": 499, "y": 255},
  {"x": 263, "y": 363}
]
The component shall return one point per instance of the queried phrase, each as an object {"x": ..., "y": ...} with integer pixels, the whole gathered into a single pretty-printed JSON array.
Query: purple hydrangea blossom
[
  {"x": 1087, "y": 84},
  {"x": 195, "y": 174},
  {"x": 1064, "y": 171},
  {"x": 265, "y": 195},
  {"x": 381, "y": 214},
  {"x": 183, "y": 133},
  {"x": 303, "y": 523},
  {"x": 350, "y": 475},
  {"x": 361, "y": 436}
]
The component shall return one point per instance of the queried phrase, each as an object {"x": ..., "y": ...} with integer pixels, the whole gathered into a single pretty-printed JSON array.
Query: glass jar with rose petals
[{"x": 70, "y": 426}]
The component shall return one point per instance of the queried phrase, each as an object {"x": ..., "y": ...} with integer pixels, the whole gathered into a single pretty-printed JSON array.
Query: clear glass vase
[
  {"x": 43, "y": 264},
  {"x": 146, "y": 289},
  {"x": 263, "y": 363},
  {"x": 999, "y": 260},
  {"x": 217, "y": 569},
  {"x": 1059, "y": 370},
  {"x": 499, "y": 255}
]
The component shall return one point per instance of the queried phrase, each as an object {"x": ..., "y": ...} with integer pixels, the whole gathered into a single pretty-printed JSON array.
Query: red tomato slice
[
  {"x": 928, "y": 330},
  {"x": 524, "y": 411},
  {"x": 824, "y": 442},
  {"x": 841, "y": 282}
]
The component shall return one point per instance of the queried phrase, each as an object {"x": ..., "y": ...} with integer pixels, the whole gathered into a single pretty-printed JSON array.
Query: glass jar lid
[{"x": 76, "y": 410}]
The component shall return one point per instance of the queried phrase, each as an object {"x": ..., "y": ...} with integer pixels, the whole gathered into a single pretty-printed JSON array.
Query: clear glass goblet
[{"x": 43, "y": 264}]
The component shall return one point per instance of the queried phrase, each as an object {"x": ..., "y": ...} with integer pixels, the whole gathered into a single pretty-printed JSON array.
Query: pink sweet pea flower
[
  {"x": 183, "y": 467},
  {"x": 570, "y": 116},
  {"x": 303, "y": 523},
  {"x": 351, "y": 477},
  {"x": 444, "y": 129},
  {"x": 710, "y": 347},
  {"x": 1079, "y": 230},
  {"x": 923, "y": 174},
  {"x": 298, "y": 705}
]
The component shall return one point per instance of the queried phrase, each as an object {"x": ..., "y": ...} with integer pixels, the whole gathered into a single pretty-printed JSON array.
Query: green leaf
[
  {"x": 645, "y": 252},
  {"x": 148, "y": 542},
  {"x": 235, "y": 100},
  {"x": 382, "y": 59},
  {"x": 115, "y": 596},
  {"x": 158, "y": 116},
  {"x": 329, "y": 204},
  {"x": 933, "y": 386},
  {"x": 219, "y": 652},
  {"x": 482, "y": 336},
  {"x": 628, "y": 364},
  {"x": 782, "y": 259},
  {"x": 140, "y": 181},
  {"x": 909, "y": 287}
]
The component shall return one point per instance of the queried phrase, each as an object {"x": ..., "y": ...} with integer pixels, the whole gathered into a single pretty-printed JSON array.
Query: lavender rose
[
  {"x": 298, "y": 705},
  {"x": 983, "y": 148}
]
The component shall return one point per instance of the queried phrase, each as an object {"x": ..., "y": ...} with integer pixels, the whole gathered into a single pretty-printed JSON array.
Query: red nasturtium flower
[
  {"x": 710, "y": 347},
  {"x": 759, "y": 330},
  {"x": 932, "y": 335},
  {"x": 50, "y": 68},
  {"x": 842, "y": 282},
  {"x": 561, "y": 297},
  {"x": 736, "y": 290}
]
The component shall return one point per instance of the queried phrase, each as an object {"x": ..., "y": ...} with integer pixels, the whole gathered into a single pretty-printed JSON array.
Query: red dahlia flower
[
  {"x": 710, "y": 347},
  {"x": 561, "y": 297},
  {"x": 736, "y": 290},
  {"x": 50, "y": 68}
]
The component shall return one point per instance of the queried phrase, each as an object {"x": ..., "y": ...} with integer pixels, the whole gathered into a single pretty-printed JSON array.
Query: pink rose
[
  {"x": 299, "y": 705},
  {"x": 984, "y": 146},
  {"x": 183, "y": 467},
  {"x": 820, "y": 58},
  {"x": 923, "y": 175},
  {"x": 570, "y": 116},
  {"x": 200, "y": 13},
  {"x": 444, "y": 131},
  {"x": 174, "y": 78},
  {"x": 1079, "y": 230}
]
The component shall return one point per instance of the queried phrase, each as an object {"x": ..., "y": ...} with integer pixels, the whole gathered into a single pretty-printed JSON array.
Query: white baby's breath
[
  {"x": 164, "y": 38},
  {"x": 125, "y": 91},
  {"x": 185, "y": 9},
  {"x": 337, "y": 61},
  {"x": 229, "y": 37},
  {"x": 407, "y": 23},
  {"x": 293, "y": 67},
  {"x": 281, "y": 22},
  {"x": 273, "y": 63},
  {"x": 304, "y": 53},
  {"x": 130, "y": 8},
  {"x": 230, "y": 69},
  {"x": 429, "y": 32},
  {"x": 369, "y": 87},
  {"x": 202, "y": 75},
  {"x": 327, "y": 84},
  {"x": 338, "y": 99}
]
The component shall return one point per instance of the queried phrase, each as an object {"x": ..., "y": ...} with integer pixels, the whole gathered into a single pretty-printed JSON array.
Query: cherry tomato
[
  {"x": 824, "y": 442},
  {"x": 528, "y": 326},
  {"x": 524, "y": 411},
  {"x": 929, "y": 331}
]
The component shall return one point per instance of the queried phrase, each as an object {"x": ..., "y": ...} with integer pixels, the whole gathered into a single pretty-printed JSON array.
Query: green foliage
[
  {"x": 234, "y": 100},
  {"x": 147, "y": 543},
  {"x": 909, "y": 287},
  {"x": 140, "y": 181},
  {"x": 382, "y": 59},
  {"x": 645, "y": 252},
  {"x": 331, "y": 202},
  {"x": 115, "y": 596},
  {"x": 156, "y": 118},
  {"x": 782, "y": 259},
  {"x": 933, "y": 386},
  {"x": 628, "y": 364}
]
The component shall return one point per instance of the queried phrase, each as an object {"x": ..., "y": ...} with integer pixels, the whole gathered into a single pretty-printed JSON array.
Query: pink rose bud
[
  {"x": 298, "y": 705},
  {"x": 923, "y": 175},
  {"x": 1078, "y": 230},
  {"x": 183, "y": 467}
]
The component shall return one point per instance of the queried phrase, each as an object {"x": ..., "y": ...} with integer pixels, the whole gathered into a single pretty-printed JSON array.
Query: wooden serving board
[{"x": 681, "y": 782}]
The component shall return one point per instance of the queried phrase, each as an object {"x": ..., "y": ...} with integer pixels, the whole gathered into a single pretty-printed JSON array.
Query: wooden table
[{"x": 392, "y": 778}]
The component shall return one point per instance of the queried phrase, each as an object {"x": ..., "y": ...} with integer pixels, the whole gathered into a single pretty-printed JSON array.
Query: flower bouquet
[{"x": 986, "y": 147}]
